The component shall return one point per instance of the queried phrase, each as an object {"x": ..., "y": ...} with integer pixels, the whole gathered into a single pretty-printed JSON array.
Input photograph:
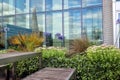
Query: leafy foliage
[
  {"x": 26, "y": 42},
  {"x": 52, "y": 51},
  {"x": 28, "y": 66},
  {"x": 99, "y": 63},
  {"x": 105, "y": 60}
]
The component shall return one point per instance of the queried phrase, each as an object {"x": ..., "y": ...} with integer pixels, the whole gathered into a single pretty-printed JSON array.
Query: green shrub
[
  {"x": 105, "y": 61},
  {"x": 100, "y": 62},
  {"x": 28, "y": 66}
]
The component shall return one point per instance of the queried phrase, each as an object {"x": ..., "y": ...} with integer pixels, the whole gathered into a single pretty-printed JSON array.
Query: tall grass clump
[{"x": 26, "y": 42}]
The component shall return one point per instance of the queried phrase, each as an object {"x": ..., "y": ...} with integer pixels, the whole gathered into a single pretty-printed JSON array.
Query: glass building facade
[{"x": 70, "y": 18}]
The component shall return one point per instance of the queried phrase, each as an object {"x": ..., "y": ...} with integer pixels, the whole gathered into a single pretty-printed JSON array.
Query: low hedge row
[{"x": 99, "y": 63}]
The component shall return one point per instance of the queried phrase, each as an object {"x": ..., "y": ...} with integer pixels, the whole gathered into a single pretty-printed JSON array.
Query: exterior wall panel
[{"x": 107, "y": 22}]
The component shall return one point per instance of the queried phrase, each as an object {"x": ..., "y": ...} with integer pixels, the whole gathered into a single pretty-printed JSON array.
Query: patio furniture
[
  {"x": 53, "y": 74},
  {"x": 14, "y": 57}
]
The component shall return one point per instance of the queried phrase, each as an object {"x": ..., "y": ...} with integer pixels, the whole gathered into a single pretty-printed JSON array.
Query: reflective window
[
  {"x": 39, "y": 5},
  {"x": 22, "y": 21},
  {"x": 57, "y": 29},
  {"x": 34, "y": 21},
  {"x": 9, "y": 20},
  {"x": 54, "y": 26},
  {"x": 0, "y": 20},
  {"x": 72, "y": 3},
  {"x": 22, "y": 6},
  {"x": 41, "y": 22},
  {"x": 49, "y": 22},
  {"x": 72, "y": 29},
  {"x": 91, "y": 2},
  {"x": 57, "y": 23},
  {"x": 92, "y": 23},
  {"x": 0, "y": 8},
  {"x": 8, "y": 7},
  {"x": 53, "y": 5}
]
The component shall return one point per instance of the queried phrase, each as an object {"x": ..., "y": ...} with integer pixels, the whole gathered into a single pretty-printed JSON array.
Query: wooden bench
[
  {"x": 14, "y": 57},
  {"x": 53, "y": 74},
  {"x": 4, "y": 71}
]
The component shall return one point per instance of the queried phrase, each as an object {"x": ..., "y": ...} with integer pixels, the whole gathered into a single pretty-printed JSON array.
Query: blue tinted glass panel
[
  {"x": 22, "y": 21},
  {"x": 49, "y": 29},
  {"x": 72, "y": 4},
  {"x": 9, "y": 20},
  {"x": 92, "y": 23},
  {"x": 8, "y": 7},
  {"x": 53, "y": 5},
  {"x": 39, "y": 5},
  {"x": 49, "y": 22},
  {"x": 53, "y": 27},
  {"x": 87, "y": 23},
  {"x": 41, "y": 22},
  {"x": 57, "y": 28},
  {"x": 37, "y": 22},
  {"x": 22, "y": 6},
  {"x": 72, "y": 23},
  {"x": 91, "y": 2},
  {"x": 0, "y": 8}
]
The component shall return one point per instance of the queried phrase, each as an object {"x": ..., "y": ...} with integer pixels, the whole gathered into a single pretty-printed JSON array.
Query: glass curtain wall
[
  {"x": 8, "y": 7},
  {"x": 72, "y": 4},
  {"x": 39, "y": 5},
  {"x": 72, "y": 23},
  {"x": 54, "y": 27},
  {"x": 22, "y": 20},
  {"x": 1, "y": 12},
  {"x": 60, "y": 20},
  {"x": 1, "y": 33},
  {"x": 92, "y": 23},
  {"x": 53, "y": 5},
  {"x": 22, "y": 6}
]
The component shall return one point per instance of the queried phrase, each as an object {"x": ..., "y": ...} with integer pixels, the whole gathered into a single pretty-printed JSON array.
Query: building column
[{"x": 108, "y": 22}]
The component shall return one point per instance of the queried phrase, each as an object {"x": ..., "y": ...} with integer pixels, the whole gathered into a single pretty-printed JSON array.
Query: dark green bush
[
  {"x": 105, "y": 61},
  {"x": 28, "y": 66},
  {"x": 100, "y": 63}
]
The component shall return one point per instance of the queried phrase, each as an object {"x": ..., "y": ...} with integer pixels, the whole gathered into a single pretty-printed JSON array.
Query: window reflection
[
  {"x": 41, "y": 22},
  {"x": 72, "y": 4},
  {"x": 53, "y": 5},
  {"x": 91, "y": 2},
  {"x": 22, "y": 6},
  {"x": 72, "y": 24},
  {"x": 49, "y": 22},
  {"x": 8, "y": 7},
  {"x": 9, "y": 20},
  {"x": 54, "y": 26},
  {"x": 22, "y": 21},
  {"x": 0, "y": 7},
  {"x": 92, "y": 23},
  {"x": 54, "y": 22},
  {"x": 32, "y": 12},
  {"x": 38, "y": 4}
]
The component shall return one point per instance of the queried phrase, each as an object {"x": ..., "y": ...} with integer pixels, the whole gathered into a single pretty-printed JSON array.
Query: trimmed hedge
[{"x": 99, "y": 63}]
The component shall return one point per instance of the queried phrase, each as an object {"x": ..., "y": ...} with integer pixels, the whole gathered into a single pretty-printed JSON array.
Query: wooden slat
[
  {"x": 13, "y": 57},
  {"x": 53, "y": 74}
]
